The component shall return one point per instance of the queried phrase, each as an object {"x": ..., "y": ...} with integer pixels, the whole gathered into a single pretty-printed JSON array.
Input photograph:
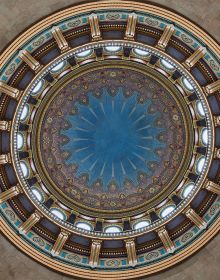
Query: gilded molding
[
  {"x": 95, "y": 251},
  {"x": 61, "y": 240},
  {"x": 131, "y": 252},
  {"x": 212, "y": 88},
  {"x": 195, "y": 218},
  {"x": 216, "y": 120},
  {"x": 216, "y": 153},
  {"x": 196, "y": 56},
  {"x": 5, "y": 125},
  {"x": 30, "y": 60},
  {"x": 169, "y": 245},
  {"x": 131, "y": 26},
  {"x": 10, "y": 193},
  {"x": 213, "y": 187},
  {"x": 106, "y": 275},
  {"x": 60, "y": 39},
  {"x": 30, "y": 222},
  {"x": 94, "y": 26},
  {"x": 108, "y": 4},
  {"x": 9, "y": 90},
  {"x": 165, "y": 37},
  {"x": 5, "y": 158},
  {"x": 167, "y": 242}
]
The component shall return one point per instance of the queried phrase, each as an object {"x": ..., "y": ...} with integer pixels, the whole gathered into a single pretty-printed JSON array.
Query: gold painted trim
[
  {"x": 216, "y": 120},
  {"x": 30, "y": 60},
  {"x": 60, "y": 242},
  {"x": 12, "y": 192},
  {"x": 212, "y": 88},
  {"x": 114, "y": 5},
  {"x": 5, "y": 158},
  {"x": 195, "y": 218},
  {"x": 30, "y": 222},
  {"x": 167, "y": 242},
  {"x": 9, "y": 90},
  {"x": 131, "y": 26},
  {"x": 95, "y": 251},
  {"x": 213, "y": 187},
  {"x": 60, "y": 39},
  {"x": 107, "y": 275},
  {"x": 94, "y": 26},
  {"x": 195, "y": 57},
  {"x": 165, "y": 37},
  {"x": 5, "y": 125},
  {"x": 131, "y": 252}
]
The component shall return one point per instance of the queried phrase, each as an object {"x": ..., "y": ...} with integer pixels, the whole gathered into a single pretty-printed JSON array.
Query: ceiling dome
[
  {"x": 109, "y": 129},
  {"x": 108, "y": 136}
]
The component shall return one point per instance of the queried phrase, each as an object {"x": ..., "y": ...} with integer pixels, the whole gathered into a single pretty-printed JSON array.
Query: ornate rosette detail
[{"x": 155, "y": 86}]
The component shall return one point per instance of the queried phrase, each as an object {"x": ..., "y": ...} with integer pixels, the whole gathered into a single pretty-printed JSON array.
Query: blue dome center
[
  {"x": 112, "y": 138},
  {"x": 115, "y": 134}
]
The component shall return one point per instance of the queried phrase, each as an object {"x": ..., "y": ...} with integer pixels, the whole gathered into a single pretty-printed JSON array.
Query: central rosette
[{"x": 112, "y": 138}]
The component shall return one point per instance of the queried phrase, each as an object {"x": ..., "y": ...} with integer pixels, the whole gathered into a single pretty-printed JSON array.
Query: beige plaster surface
[{"x": 16, "y": 15}]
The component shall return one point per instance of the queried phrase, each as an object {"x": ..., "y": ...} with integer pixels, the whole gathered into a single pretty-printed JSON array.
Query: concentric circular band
[{"x": 160, "y": 47}]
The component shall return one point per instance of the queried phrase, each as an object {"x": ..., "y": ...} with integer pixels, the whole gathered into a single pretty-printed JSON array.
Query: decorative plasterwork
[{"x": 21, "y": 102}]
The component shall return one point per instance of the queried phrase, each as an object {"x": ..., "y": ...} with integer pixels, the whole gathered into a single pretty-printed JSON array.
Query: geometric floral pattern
[{"x": 108, "y": 137}]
